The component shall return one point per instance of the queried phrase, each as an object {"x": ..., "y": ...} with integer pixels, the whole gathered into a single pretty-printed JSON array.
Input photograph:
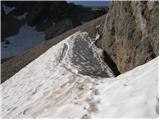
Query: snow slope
[
  {"x": 66, "y": 82},
  {"x": 133, "y": 94},
  {"x": 27, "y": 38},
  {"x": 52, "y": 84}
]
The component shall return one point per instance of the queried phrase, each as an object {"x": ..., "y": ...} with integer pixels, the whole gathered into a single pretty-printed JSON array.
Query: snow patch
[
  {"x": 98, "y": 26},
  {"x": 97, "y": 36},
  {"x": 21, "y": 17},
  {"x": 7, "y": 9},
  {"x": 27, "y": 38}
]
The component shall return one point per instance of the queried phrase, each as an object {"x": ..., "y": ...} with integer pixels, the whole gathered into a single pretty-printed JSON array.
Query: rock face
[
  {"x": 130, "y": 34},
  {"x": 51, "y": 17}
]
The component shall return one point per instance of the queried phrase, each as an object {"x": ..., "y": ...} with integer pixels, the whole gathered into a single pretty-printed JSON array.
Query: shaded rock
[
  {"x": 7, "y": 42},
  {"x": 58, "y": 28},
  {"x": 9, "y": 26},
  {"x": 88, "y": 58},
  {"x": 44, "y": 25},
  {"x": 130, "y": 35}
]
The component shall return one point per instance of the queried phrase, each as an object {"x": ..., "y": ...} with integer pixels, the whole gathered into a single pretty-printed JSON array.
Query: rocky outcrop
[{"x": 130, "y": 35}]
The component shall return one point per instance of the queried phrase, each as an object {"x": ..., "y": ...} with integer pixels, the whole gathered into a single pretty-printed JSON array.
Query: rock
[
  {"x": 57, "y": 29},
  {"x": 130, "y": 35},
  {"x": 35, "y": 15},
  {"x": 7, "y": 42},
  {"x": 87, "y": 57},
  {"x": 43, "y": 25},
  {"x": 42, "y": 14},
  {"x": 10, "y": 26}
]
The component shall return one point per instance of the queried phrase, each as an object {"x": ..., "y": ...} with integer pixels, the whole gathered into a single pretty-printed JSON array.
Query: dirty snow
[
  {"x": 27, "y": 38},
  {"x": 56, "y": 85},
  {"x": 98, "y": 26}
]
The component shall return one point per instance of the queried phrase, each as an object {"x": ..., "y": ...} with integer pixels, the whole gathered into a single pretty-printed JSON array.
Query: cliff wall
[{"x": 130, "y": 35}]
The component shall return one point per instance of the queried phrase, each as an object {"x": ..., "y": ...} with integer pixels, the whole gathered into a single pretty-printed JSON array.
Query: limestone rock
[{"x": 130, "y": 35}]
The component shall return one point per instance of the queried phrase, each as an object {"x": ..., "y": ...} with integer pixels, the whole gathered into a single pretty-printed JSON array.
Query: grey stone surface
[{"x": 87, "y": 58}]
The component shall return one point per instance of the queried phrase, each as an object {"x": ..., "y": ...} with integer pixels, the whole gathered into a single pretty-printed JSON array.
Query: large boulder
[{"x": 130, "y": 34}]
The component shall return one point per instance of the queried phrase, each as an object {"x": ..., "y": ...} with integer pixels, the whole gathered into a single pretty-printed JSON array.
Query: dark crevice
[
  {"x": 151, "y": 53},
  {"x": 63, "y": 52},
  {"x": 111, "y": 63}
]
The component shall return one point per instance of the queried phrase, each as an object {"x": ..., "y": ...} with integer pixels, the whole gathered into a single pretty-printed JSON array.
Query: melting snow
[
  {"x": 98, "y": 26},
  {"x": 55, "y": 86},
  {"x": 27, "y": 38}
]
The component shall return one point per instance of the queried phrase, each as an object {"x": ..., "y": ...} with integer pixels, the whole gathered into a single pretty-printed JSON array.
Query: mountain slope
[
  {"x": 57, "y": 85},
  {"x": 15, "y": 64},
  {"x": 56, "y": 74},
  {"x": 16, "y": 46},
  {"x": 133, "y": 94}
]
